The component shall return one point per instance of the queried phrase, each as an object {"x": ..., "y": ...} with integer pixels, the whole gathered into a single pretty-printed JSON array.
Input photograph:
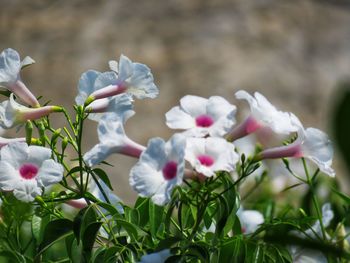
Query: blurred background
[{"x": 293, "y": 52}]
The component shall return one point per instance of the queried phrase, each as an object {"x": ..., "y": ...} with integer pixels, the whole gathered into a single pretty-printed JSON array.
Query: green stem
[{"x": 314, "y": 199}]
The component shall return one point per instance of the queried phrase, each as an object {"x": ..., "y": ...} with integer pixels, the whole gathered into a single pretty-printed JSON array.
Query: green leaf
[
  {"x": 132, "y": 215},
  {"x": 156, "y": 214},
  {"x": 83, "y": 219},
  {"x": 110, "y": 255},
  {"x": 199, "y": 251},
  {"x": 142, "y": 206},
  {"x": 103, "y": 176},
  {"x": 36, "y": 228},
  {"x": 110, "y": 208},
  {"x": 232, "y": 250},
  {"x": 343, "y": 196},
  {"x": 88, "y": 238},
  {"x": 54, "y": 231},
  {"x": 131, "y": 229},
  {"x": 73, "y": 249},
  {"x": 168, "y": 242}
]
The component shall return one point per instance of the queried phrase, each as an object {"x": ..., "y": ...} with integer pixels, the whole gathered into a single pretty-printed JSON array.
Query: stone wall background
[{"x": 294, "y": 52}]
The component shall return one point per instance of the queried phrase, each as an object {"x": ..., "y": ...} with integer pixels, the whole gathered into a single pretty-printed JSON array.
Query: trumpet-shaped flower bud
[
  {"x": 311, "y": 144},
  {"x": 133, "y": 78},
  {"x": 26, "y": 169},
  {"x": 160, "y": 168},
  {"x": 201, "y": 117},
  {"x": 10, "y": 67},
  {"x": 112, "y": 138},
  {"x": 209, "y": 155},
  {"x": 13, "y": 113},
  {"x": 263, "y": 113}
]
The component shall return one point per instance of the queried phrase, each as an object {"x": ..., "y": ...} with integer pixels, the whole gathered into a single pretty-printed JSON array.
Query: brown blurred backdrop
[{"x": 294, "y": 52}]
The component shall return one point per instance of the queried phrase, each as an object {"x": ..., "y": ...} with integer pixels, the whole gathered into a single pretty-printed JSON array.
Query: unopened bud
[{"x": 29, "y": 132}]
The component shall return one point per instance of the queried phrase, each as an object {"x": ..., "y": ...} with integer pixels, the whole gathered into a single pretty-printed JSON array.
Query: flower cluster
[{"x": 198, "y": 172}]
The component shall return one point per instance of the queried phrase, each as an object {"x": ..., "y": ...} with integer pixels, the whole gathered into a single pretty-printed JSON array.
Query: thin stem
[{"x": 314, "y": 199}]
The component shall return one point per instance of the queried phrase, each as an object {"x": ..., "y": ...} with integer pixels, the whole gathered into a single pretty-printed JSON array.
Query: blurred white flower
[
  {"x": 133, "y": 78},
  {"x": 250, "y": 220},
  {"x": 311, "y": 143},
  {"x": 200, "y": 117},
  {"x": 156, "y": 257},
  {"x": 209, "y": 155},
  {"x": 301, "y": 255},
  {"x": 160, "y": 168},
  {"x": 263, "y": 113},
  {"x": 10, "y": 67},
  {"x": 13, "y": 113},
  {"x": 26, "y": 169}
]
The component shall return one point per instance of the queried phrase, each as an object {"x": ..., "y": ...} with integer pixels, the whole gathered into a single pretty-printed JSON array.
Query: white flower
[
  {"x": 209, "y": 155},
  {"x": 250, "y": 220},
  {"x": 10, "y": 67},
  {"x": 157, "y": 257},
  {"x": 263, "y": 113},
  {"x": 311, "y": 143},
  {"x": 26, "y": 169},
  {"x": 200, "y": 117},
  {"x": 160, "y": 168},
  {"x": 13, "y": 113},
  {"x": 133, "y": 78},
  {"x": 112, "y": 138}
]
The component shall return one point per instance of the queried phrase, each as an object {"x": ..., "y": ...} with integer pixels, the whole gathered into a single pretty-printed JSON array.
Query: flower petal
[
  {"x": 27, "y": 190},
  {"x": 50, "y": 172},
  {"x": 38, "y": 154},
  {"x": 10, "y": 65},
  {"x": 178, "y": 119},
  {"x": 194, "y": 105},
  {"x": 86, "y": 85},
  {"x": 15, "y": 153}
]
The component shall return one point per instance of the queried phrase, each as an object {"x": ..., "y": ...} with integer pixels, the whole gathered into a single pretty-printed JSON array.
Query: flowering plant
[{"x": 218, "y": 190}]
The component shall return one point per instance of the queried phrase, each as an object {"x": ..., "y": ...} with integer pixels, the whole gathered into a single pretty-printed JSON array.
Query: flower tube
[
  {"x": 263, "y": 113},
  {"x": 13, "y": 113},
  {"x": 312, "y": 144}
]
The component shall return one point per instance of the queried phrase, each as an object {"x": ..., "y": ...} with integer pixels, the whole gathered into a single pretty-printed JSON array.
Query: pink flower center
[
  {"x": 28, "y": 171},
  {"x": 170, "y": 170},
  {"x": 206, "y": 160},
  {"x": 204, "y": 121}
]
